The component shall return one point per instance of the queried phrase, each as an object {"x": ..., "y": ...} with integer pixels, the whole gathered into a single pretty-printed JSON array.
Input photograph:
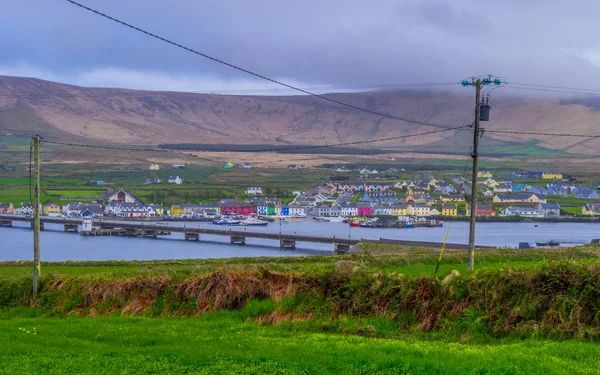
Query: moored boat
[
  {"x": 254, "y": 222},
  {"x": 226, "y": 222}
]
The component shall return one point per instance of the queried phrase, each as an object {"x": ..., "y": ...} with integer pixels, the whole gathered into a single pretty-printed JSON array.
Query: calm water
[{"x": 57, "y": 245}]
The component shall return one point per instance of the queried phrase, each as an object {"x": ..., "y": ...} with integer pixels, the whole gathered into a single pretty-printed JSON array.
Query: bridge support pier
[
  {"x": 5, "y": 223},
  {"x": 71, "y": 228},
  {"x": 340, "y": 248},
  {"x": 287, "y": 243},
  {"x": 150, "y": 233},
  {"x": 237, "y": 239},
  {"x": 192, "y": 236}
]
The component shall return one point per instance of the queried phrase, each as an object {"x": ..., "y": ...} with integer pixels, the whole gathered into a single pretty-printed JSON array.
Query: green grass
[
  {"x": 406, "y": 261},
  {"x": 226, "y": 344}
]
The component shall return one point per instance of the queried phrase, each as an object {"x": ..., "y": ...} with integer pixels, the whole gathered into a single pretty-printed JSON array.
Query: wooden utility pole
[
  {"x": 36, "y": 215},
  {"x": 474, "y": 155}
]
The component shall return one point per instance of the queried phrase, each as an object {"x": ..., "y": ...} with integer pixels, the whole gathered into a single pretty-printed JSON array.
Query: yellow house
[
  {"x": 591, "y": 209},
  {"x": 400, "y": 210},
  {"x": 552, "y": 176},
  {"x": 50, "y": 209},
  {"x": 176, "y": 210},
  {"x": 413, "y": 191},
  {"x": 491, "y": 183},
  {"x": 419, "y": 210},
  {"x": 519, "y": 198},
  {"x": 452, "y": 198},
  {"x": 154, "y": 167},
  {"x": 449, "y": 210},
  {"x": 432, "y": 183},
  {"x": 484, "y": 174}
]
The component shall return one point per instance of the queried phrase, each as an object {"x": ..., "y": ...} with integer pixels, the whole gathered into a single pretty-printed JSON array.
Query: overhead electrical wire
[
  {"x": 508, "y": 86},
  {"x": 543, "y": 134},
  {"x": 144, "y": 93},
  {"x": 261, "y": 76},
  {"x": 274, "y": 149},
  {"x": 553, "y": 87}
]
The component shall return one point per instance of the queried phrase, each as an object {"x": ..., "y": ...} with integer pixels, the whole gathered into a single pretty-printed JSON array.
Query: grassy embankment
[{"x": 370, "y": 313}]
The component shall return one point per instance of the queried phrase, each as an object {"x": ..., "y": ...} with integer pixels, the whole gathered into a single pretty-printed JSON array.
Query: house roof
[
  {"x": 519, "y": 196},
  {"x": 550, "y": 206},
  {"x": 449, "y": 207},
  {"x": 5, "y": 205}
]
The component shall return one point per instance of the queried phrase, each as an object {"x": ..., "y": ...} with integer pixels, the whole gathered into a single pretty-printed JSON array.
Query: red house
[
  {"x": 7, "y": 208},
  {"x": 482, "y": 210},
  {"x": 232, "y": 206},
  {"x": 365, "y": 209}
]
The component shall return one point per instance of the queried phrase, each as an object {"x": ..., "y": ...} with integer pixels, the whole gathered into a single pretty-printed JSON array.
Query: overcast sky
[{"x": 307, "y": 43}]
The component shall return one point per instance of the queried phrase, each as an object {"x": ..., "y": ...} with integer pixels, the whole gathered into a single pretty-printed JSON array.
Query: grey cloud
[{"x": 335, "y": 42}]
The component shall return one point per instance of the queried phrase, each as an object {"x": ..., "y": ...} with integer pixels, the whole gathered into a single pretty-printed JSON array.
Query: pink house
[
  {"x": 365, "y": 209},
  {"x": 7, "y": 208}
]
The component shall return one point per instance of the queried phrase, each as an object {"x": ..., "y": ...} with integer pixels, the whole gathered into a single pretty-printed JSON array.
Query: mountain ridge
[{"x": 124, "y": 116}]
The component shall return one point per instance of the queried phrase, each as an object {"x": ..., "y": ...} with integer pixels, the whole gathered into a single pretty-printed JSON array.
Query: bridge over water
[{"x": 236, "y": 236}]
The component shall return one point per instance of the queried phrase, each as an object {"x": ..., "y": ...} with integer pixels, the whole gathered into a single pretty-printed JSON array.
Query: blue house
[
  {"x": 584, "y": 192},
  {"x": 557, "y": 190},
  {"x": 366, "y": 198},
  {"x": 539, "y": 190},
  {"x": 518, "y": 187}
]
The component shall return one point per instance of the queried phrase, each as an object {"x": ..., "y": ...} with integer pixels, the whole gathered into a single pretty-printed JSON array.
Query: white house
[
  {"x": 175, "y": 180},
  {"x": 130, "y": 209},
  {"x": 26, "y": 209},
  {"x": 349, "y": 209},
  {"x": 254, "y": 191},
  {"x": 297, "y": 211},
  {"x": 522, "y": 211}
]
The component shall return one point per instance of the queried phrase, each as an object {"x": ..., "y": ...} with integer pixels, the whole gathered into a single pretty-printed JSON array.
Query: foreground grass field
[
  {"x": 226, "y": 343},
  {"x": 382, "y": 312}
]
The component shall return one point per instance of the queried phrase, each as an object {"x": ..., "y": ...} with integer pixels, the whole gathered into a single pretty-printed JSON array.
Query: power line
[
  {"x": 307, "y": 92},
  {"x": 552, "y": 90},
  {"x": 145, "y": 93},
  {"x": 544, "y": 134},
  {"x": 275, "y": 149},
  {"x": 553, "y": 87}
]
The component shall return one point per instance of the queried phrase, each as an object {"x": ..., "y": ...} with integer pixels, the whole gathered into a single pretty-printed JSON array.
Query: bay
[{"x": 56, "y": 245}]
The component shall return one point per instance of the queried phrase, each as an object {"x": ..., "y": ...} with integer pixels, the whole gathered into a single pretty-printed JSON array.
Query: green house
[{"x": 228, "y": 165}]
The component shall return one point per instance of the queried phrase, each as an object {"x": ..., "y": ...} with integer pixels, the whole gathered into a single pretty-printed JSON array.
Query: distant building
[
  {"x": 449, "y": 210},
  {"x": 228, "y": 165},
  {"x": 175, "y": 180},
  {"x": 154, "y": 167},
  {"x": 25, "y": 209},
  {"x": 552, "y": 176},
  {"x": 246, "y": 166},
  {"x": 120, "y": 196},
  {"x": 51, "y": 209},
  {"x": 82, "y": 210},
  {"x": 591, "y": 209},
  {"x": 254, "y": 191},
  {"x": 178, "y": 166},
  {"x": 7, "y": 208},
  {"x": 522, "y": 211},
  {"x": 482, "y": 210},
  {"x": 549, "y": 209},
  {"x": 519, "y": 198}
]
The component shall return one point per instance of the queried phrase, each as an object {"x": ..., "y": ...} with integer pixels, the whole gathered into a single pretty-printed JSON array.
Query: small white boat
[{"x": 254, "y": 221}]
